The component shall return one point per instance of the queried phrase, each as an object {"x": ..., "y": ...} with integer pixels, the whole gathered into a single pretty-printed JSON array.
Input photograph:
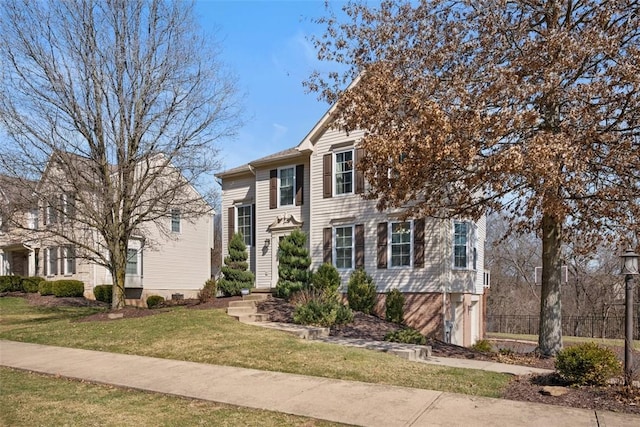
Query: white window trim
[
  {"x": 471, "y": 246},
  {"x": 335, "y": 247},
  {"x": 66, "y": 256},
  {"x": 171, "y": 218},
  {"x": 334, "y": 178},
  {"x": 135, "y": 245},
  {"x": 390, "y": 245},
  {"x": 50, "y": 250},
  {"x": 293, "y": 197},
  {"x": 237, "y": 223}
]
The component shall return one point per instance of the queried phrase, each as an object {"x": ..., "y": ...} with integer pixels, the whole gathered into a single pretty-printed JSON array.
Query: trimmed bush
[
  {"x": 587, "y": 364},
  {"x": 394, "y": 307},
  {"x": 361, "y": 292},
  {"x": 11, "y": 284},
  {"x": 406, "y": 336},
  {"x": 293, "y": 265},
  {"x": 322, "y": 313},
  {"x": 326, "y": 280},
  {"x": 209, "y": 291},
  {"x": 31, "y": 284},
  {"x": 45, "y": 288},
  {"x": 483, "y": 346},
  {"x": 154, "y": 301},
  {"x": 235, "y": 276},
  {"x": 67, "y": 288},
  {"x": 104, "y": 293}
]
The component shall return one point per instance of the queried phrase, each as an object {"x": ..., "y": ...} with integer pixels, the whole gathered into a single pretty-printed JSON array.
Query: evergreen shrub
[
  {"x": 67, "y": 288},
  {"x": 31, "y": 284},
  {"x": 154, "y": 301},
  {"x": 394, "y": 307},
  {"x": 45, "y": 287},
  {"x": 406, "y": 336},
  {"x": 11, "y": 284},
  {"x": 104, "y": 293},
  {"x": 235, "y": 274},
  {"x": 587, "y": 364},
  {"x": 293, "y": 265},
  {"x": 361, "y": 292},
  {"x": 208, "y": 291}
]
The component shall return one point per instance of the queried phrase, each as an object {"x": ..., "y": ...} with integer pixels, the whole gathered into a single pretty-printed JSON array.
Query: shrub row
[
  {"x": 20, "y": 283},
  {"x": 61, "y": 288}
]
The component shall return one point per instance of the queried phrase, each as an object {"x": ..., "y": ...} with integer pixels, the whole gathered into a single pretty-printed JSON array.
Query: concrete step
[
  {"x": 241, "y": 310},
  {"x": 248, "y": 303},
  {"x": 252, "y": 318}
]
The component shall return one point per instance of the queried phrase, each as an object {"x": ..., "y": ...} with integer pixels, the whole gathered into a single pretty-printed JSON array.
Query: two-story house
[
  {"x": 317, "y": 187},
  {"x": 170, "y": 254}
]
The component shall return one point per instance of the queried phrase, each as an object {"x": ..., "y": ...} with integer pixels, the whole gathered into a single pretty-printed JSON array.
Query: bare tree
[
  {"x": 529, "y": 107},
  {"x": 512, "y": 259},
  {"x": 118, "y": 103}
]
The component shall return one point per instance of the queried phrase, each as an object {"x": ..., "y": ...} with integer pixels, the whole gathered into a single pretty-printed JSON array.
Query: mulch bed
[{"x": 525, "y": 388}]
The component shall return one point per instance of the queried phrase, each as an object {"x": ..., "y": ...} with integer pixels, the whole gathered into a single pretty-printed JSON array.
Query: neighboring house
[
  {"x": 317, "y": 187},
  {"x": 171, "y": 255}
]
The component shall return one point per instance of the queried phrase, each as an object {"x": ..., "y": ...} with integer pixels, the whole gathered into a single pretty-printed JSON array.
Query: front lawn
[{"x": 210, "y": 336}]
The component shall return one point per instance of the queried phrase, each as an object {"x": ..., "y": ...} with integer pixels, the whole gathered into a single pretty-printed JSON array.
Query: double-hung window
[
  {"x": 52, "y": 263},
  {"x": 287, "y": 185},
  {"x": 344, "y": 172},
  {"x": 175, "y": 220},
  {"x": 132, "y": 262},
  {"x": 401, "y": 244},
  {"x": 244, "y": 223},
  {"x": 344, "y": 252},
  {"x": 464, "y": 251},
  {"x": 68, "y": 261}
]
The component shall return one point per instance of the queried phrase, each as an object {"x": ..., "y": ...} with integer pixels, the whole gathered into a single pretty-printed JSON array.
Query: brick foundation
[{"x": 422, "y": 311}]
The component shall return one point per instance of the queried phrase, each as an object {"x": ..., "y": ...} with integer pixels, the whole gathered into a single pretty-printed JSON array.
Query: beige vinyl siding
[
  {"x": 236, "y": 191},
  {"x": 327, "y": 211},
  {"x": 266, "y": 273},
  {"x": 481, "y": 235},
  {"x": 178, "y": 262}
]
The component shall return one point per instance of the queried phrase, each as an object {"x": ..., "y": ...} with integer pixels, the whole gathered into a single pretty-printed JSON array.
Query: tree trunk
[
  {"x": 550, "y": 335},
  {"x": 119, "y": 257}
]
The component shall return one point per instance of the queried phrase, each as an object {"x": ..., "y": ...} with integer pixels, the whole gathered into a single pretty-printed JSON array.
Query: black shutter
[
  {"x": 253, "y": 224},
  {"x": 45, "y": 267},
  {"x": 273, "y": 188},
  {"x": 418, "y": 243},
  {"x": 231, "y": 222},
  {"x": 359, "y": 173},
  {"x": 299, "y": 185},
  {"x": 53, "y": 254},
  {"x": 327, "y": 165},
  {"x": 359, "y": 245},
  {"x": 327, "y": 235},
  {"x": 382, "y": 245}
]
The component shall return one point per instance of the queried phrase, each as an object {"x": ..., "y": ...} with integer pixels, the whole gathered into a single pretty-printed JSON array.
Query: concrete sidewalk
[{"x": 346, "y": 402}]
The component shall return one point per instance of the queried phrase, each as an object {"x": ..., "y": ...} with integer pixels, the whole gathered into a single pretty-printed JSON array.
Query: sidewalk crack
[{"x": 424, "y": 411}]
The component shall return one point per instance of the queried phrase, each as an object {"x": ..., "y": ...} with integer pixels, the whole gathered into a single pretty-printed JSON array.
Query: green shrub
[
  {"x": 587, "y": 364},
  {"x": 326, "y": 280},
  {"x": 67, "y": 288},
  {"x": 31, "y": 284},
  {"x": 322, "y": 313},
  {"x": 394, "y": 307},
  {"x": 45, "y": 287},
  {"x": 406, "y": 336},
  {"x": 361, "y": 292},
  {"x": 208, "y": 291},
  {"x": 104, "y": 293},
  {"x": 484, "y": 346},
  {"x": 235, "y": 274},
  {"x": 293, "y": 265},
  {"x": 154, "y": 301},
  {"x": 11, "y": 284}
]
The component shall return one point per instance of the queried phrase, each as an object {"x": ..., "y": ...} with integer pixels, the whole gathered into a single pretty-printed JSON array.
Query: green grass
[
  {"x": 37, "y": 400},
  {"x": 567, "y": 339},
  {"x": 210, "y": 336}
]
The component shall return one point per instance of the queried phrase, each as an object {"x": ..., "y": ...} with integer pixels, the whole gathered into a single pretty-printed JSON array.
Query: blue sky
[{"x": 266, "y": 45}]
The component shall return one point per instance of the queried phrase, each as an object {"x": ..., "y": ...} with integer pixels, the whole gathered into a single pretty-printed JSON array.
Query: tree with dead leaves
[
  {"x": 119, "y": 103},
  {"x": 527, "y": 107}
]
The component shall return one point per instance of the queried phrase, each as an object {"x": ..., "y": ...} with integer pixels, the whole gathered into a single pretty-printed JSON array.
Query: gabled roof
[{"x": 289, "y": 153}]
